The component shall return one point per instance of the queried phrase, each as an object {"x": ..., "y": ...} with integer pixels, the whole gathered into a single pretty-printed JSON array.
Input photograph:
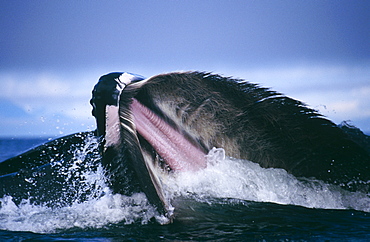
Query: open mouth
[
  {"x": 133, "y": 133},
  {"x": 177, "y": 151}
]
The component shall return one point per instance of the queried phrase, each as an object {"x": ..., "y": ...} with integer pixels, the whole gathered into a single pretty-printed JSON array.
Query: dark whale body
[
  {"x": 248, "y": 121},
  {"x": 252, "y": 123},
  {"x": 200, "y": 111}
]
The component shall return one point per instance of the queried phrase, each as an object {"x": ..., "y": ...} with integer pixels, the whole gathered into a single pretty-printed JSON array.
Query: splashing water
[
  {"x": 224, "y": 177},
  {"x": 94, "y": 213},
  {"x": 85, "y": 200}
]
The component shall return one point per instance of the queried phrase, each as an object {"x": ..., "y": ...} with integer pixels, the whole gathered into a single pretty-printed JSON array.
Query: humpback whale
[
  {"x": 172, "y": 120},
  {"x": 147, "y": 127}
]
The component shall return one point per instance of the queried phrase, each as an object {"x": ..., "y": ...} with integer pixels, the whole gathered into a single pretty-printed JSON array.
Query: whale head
[{"x": 169, "y": 122}]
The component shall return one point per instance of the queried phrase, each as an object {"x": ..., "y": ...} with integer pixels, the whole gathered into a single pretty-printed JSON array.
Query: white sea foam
[
  {"x": 94, "y": 213},
  {"x": 100, "y": 208},
  {"x": 226, "y": 177},
  {"x": 93, "y": 204}
]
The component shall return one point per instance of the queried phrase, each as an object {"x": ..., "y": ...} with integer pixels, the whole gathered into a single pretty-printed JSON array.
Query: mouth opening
[
  {"x": 136, "y": 135},
  {"x": 176, "y": 152}
]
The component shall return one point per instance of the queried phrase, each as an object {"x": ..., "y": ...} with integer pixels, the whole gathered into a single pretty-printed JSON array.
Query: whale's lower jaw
[{"x": 155, "y": 147}]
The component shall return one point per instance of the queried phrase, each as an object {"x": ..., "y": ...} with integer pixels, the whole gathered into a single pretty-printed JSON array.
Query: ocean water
[{"x": 231, "y": 200}]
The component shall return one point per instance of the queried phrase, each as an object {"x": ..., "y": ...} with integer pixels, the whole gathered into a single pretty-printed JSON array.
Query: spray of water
[
  {"x": 85, "y": 201},
  {"x": 224, "y": 177}
]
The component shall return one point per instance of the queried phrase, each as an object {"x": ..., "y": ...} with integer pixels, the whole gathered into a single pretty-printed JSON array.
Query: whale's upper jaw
[{"x": 106, "y": 93}]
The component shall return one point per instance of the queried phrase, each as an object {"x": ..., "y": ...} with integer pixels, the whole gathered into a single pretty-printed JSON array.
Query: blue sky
[{"x": 53, "y": 52}]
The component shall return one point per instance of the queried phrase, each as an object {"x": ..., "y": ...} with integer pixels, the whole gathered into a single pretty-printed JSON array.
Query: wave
[
  {"x": 227, "y": 177},
  {"x": 225, "y": 181}
]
